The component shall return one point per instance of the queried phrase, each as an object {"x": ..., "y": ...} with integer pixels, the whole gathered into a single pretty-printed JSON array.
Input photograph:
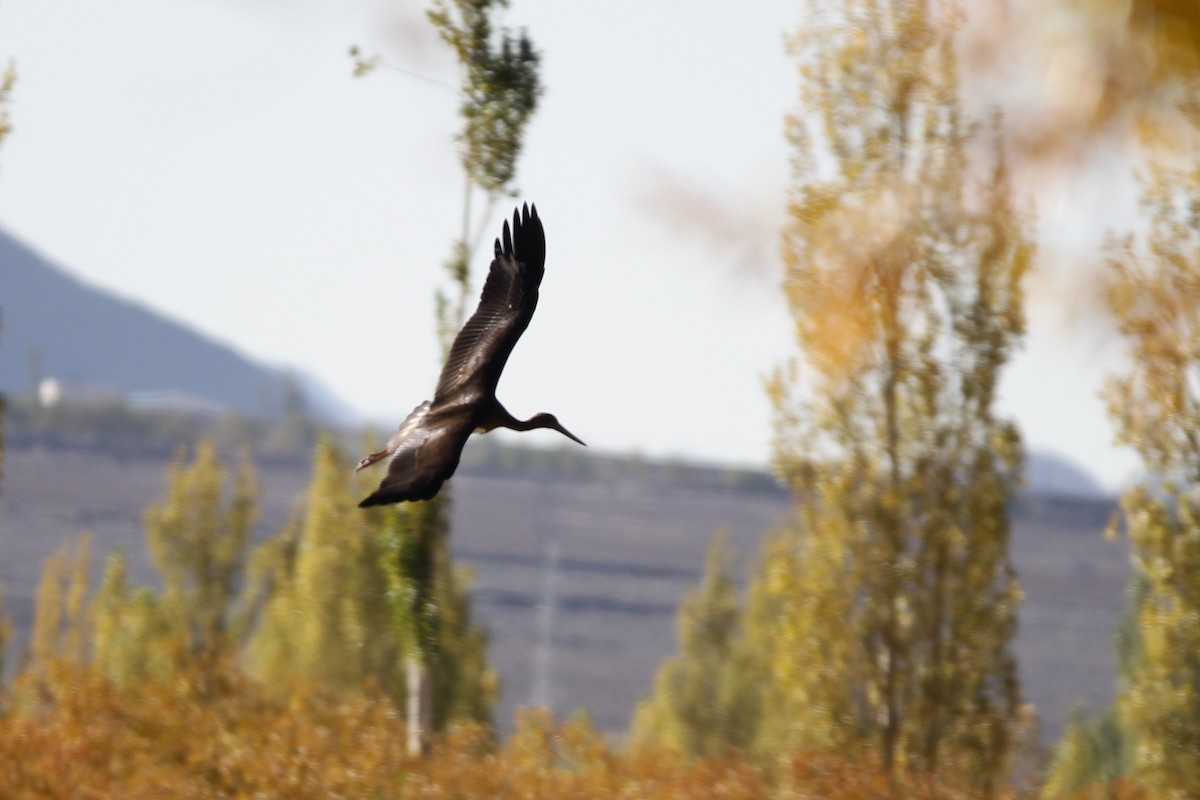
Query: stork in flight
[{"x": 425, "y": 451}]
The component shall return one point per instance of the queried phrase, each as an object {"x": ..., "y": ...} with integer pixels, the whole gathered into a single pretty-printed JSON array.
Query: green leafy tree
[
  {"x": 499, "y": 89},
  {"x": 500, "y": 86},
  {"x": 198, "y": 537},
  {"x": 705, "y": 701},
  {"x": 1095, "y": 754},
  {"x": 1092, "y": 756},
  {"x": 133, "y": 637},
  {"x": 1155, "y": 296},
  {"x": 808, "y": 700},
  {"x": 60, "y": 625},
  {"x": 198, "y": 544},
  {"x": 326, "y": 617},
  {"x": 431, "y": 605},
  {"x": 336, "y": 601},
  {"x": 904, "y": 260}
]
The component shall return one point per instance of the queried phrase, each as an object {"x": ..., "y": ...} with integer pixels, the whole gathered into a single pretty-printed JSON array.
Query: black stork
[{"x": 425, "y": 451}]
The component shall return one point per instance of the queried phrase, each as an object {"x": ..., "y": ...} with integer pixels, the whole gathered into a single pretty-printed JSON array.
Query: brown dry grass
[{"x": 69, "y": 733}]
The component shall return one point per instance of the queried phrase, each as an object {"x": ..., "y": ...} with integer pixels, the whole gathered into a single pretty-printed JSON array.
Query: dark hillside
[{"x": 88, "y": 338}]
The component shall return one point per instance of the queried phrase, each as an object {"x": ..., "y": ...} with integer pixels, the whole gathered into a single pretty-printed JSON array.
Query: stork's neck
[
  {"x": 525, "y": 424},
  {"x": 493, "y": 415},
  {"x": 533, "y": 423},
  {"x": 497, "y": 416}
]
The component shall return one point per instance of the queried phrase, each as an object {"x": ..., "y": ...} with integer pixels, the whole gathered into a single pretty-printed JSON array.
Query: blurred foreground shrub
[{"x": 69, "y": 732}]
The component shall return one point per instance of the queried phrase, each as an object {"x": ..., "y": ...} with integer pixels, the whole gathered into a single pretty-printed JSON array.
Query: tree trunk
[{"x": 420, "y": 706}]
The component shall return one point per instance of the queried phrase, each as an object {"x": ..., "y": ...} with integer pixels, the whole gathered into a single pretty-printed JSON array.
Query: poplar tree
[
  {"x": 59, "y": 641},
  {"x": 431, "y": 608},
  {"x": 1155, "y": 403},
  {"x": 895, "y": 593},
  {"x": 706, "y": 700},
  {"x": 60, "y": 624},
  {"x": 1089, "y": 760},
  {"x": 198, "y": 538},
  {"x": 326, "y": 618},
  {"x": 198, "y": 542},
  {"x": 499, "y": 87},
  {"x": 331, "y": 597},
  {"x": 132, "y": 634}
]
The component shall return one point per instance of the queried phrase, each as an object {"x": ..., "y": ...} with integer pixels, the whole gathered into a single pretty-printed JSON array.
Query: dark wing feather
[
  {"x": 426, "y": 454},
  {"x": 506, "y": 305}
]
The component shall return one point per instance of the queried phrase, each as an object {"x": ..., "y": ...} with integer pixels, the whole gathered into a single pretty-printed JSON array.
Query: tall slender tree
[
  {"x": 197, "y": 536},
  {"x": 1089, "y": 760},
  {"x": 706, "y": 700},
  {"x": 499, "y": 90},
  {"x": 198, "y": 542},
  {"x": 1155, "y": 296},
  {"x": 326, "y": 618},
  {"x": 904, "y": 260},
  {"x": 60, "y": 625},
  {"x": 431, "y": 608}
]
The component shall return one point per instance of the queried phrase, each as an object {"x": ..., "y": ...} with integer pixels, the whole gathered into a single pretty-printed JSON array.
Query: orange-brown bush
[
  {"x": 1120, "y": 789},
  {"x": 71, "y": 733},
  {"x": 75, "y": 734}
]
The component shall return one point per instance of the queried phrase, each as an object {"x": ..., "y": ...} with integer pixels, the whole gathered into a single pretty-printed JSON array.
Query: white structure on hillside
[{"x": 52, "y": 391}]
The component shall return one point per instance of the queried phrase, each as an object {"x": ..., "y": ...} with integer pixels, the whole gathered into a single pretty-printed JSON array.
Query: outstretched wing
[
  {"x": 426, "y": 453},
  {"x": 506, "y": 305}
]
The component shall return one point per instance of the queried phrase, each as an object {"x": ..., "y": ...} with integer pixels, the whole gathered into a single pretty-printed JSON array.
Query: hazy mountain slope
[
  {"x": 1050, "y": 472},
  {"x": 84, "y": 335}
]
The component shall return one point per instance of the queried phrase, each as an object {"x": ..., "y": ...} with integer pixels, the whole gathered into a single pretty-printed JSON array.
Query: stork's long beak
[{"x": 569, "y": 435}]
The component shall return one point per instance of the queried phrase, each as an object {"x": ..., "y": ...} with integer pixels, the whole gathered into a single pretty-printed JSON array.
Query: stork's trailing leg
[{"x": 371, "y": 459}]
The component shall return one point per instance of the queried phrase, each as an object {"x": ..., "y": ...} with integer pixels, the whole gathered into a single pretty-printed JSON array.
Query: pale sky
[{"x": 216, "y": 161}]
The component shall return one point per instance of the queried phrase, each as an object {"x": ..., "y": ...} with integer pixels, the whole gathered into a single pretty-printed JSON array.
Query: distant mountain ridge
[
  {"x": 86, "y": 337},
  {"x": 1058, "y": 475}
]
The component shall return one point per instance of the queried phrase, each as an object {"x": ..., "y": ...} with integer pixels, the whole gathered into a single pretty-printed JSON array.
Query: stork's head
[{"x": 545, "y": 420}]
